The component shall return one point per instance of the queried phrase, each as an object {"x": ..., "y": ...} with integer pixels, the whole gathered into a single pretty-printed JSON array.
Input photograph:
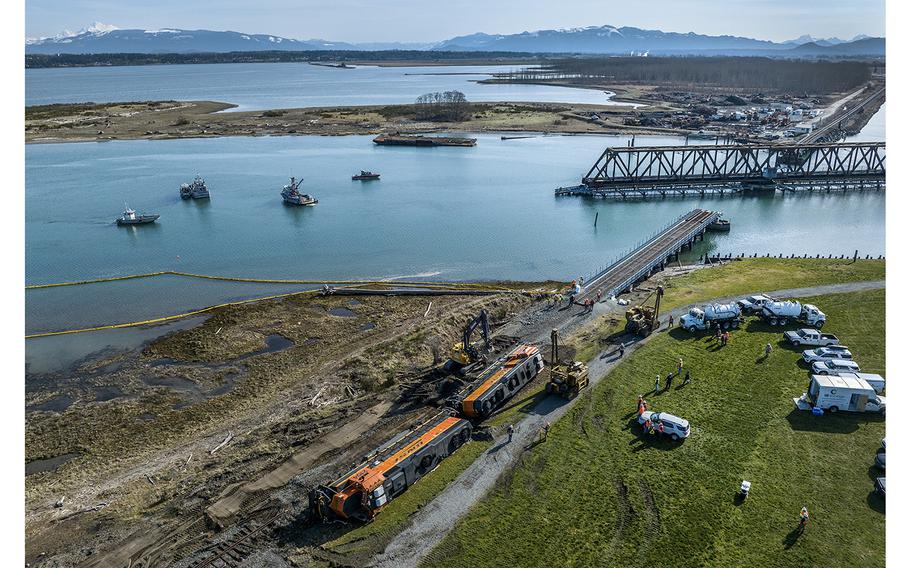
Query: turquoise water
[
  {"x": 255, "y": 86},
  {"x": 486, "y": 212}
]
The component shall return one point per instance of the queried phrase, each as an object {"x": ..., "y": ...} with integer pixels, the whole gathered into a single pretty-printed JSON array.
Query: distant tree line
[
  {"x": 747, "y": 73},
  {"x": 449, "y": 105},
  {"x": 334, "y": 56}
]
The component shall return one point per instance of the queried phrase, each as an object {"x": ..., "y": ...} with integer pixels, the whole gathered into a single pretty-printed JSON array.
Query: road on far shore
[{"x": 434, "y": 521}]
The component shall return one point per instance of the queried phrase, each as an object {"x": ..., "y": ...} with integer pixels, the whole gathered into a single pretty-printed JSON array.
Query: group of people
[
  {"x": 723, "y": 337},
  {"x": 670, "y": 376}
]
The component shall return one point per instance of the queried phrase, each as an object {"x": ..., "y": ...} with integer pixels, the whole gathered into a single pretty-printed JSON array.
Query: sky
[{"x": 428, "y": 21}]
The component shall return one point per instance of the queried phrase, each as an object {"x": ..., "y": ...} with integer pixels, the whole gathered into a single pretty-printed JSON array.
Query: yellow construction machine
[
  {"x": 566, "y": 379},
  {"x": 464, "y": 353},
  {"x": 641, "y": 319}
]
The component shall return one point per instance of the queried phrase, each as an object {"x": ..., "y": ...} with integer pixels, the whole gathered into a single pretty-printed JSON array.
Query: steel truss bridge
[{"x": 700, "y": 169}]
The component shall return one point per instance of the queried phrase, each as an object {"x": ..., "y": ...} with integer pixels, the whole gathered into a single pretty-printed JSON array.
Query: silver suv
[
  {"x": 834, "y": 366},
  {"x": 674, "y": 426},
  {"x": 826, "y": 353}
]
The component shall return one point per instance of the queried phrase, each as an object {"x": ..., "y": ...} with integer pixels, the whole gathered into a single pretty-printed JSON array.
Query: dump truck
[
  {"x": 724, "y": 316},
  {"x": 498, "y": 383},
  {"x": 643, "y": 319},
  {"x": 783, "y": 313},
  {"x": 388, "y": 471},
  {"x": 566, "y": 379}
]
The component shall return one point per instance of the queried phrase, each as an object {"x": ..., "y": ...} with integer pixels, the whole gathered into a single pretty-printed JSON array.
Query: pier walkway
[{"x": 651, "y": 255}]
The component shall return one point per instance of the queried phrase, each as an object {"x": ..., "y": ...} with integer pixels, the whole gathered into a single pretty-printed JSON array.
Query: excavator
[
  {"x": 642, "y": 319},
  {"x": 566, "y": 379},
  {"x": 464, "y": 353}
]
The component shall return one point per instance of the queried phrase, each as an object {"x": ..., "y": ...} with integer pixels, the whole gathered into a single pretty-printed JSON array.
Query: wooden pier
[{"x": 652, "y": 255}]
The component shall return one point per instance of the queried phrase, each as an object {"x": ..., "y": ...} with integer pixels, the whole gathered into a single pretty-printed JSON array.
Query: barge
[{"x": 418, "y": 140}]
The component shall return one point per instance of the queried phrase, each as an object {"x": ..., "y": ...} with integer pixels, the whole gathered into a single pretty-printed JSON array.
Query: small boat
[
  {"x": 702, "y": 135},
  {"x": 292, "y": 196},
  {"x": 130, "y": 217},
  {"x": 721, "y": 225},
  {"x": 365, "y": 175},
  {"x": 194, "y": 190}
]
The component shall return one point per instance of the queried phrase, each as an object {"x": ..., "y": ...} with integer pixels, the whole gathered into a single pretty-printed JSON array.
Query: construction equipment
[
  {"x": 641, "y": 319},
  {"x": 465, "y": 353},
  {"x": 390, "y": 470},
  {"x": 566, "y": 379}
]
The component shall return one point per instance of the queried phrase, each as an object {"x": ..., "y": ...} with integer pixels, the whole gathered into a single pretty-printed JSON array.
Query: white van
[
  {"x": 875, "y": 381},
  {"x": 834, "y": 393}
]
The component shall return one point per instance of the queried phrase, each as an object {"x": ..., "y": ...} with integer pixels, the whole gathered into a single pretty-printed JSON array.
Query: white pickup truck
[{"x": 811, "y": 337}]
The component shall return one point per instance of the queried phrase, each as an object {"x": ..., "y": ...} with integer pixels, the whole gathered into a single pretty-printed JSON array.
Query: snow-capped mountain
[{"x": 102, "y": 38}]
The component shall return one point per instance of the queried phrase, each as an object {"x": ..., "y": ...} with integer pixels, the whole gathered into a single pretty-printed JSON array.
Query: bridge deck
[{"x": 636, "y": 265}]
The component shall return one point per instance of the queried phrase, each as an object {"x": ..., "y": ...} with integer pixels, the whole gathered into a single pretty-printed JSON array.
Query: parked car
[
  {"x": 834, "y": 366},
  {"x": 808, "y": 336},
  {"x": 880, "y": 460},
  {"x": 826, "y": 353},
  {"x": 674, "y": 426},
  {"x": 883, "y": 443},
  {"x": 880, "y": 485}
]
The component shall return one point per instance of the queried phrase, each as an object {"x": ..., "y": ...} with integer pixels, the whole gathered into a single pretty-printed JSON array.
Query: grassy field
[
  {"x": 599, "y": 493},
  {"x": 735, "y": 278}
]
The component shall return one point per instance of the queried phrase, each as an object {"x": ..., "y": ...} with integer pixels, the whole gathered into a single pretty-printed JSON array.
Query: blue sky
[{"x": 428, "y": 20}]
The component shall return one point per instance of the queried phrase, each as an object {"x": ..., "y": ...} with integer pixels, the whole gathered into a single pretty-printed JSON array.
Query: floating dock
[{"x": 651, "y": 255}]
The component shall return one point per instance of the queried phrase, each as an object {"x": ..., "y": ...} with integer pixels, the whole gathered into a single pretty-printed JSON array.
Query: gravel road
[{"x": 432, "y": 523}]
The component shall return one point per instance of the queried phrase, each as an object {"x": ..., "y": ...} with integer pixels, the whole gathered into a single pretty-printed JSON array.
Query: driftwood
[
  {"x": 313, "y": 400},
  {"x": 223, "y": 443},
  {"x": 149, "y": 477},
  {"x": 59, "y": 502},
  {"x": 187, "y": 461},
  {"x": 430, "y": 305}
]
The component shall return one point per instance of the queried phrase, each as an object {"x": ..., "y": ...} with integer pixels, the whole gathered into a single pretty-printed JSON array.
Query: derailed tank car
[
  {"x": 363, "y": 492},
  {"x": 499, "y": 382}
]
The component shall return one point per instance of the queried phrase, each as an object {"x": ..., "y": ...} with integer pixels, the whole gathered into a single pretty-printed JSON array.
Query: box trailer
[{"x": 834, "y": 393}]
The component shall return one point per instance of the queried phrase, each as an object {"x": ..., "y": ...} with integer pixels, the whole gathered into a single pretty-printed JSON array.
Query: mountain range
[{"x": 102, "y": 38}]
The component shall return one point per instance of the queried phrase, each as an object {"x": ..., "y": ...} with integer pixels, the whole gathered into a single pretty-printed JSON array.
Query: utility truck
[
  {"x": 724, "y": 316},
  {"x": 810, "y": 337},
  {"x": 834, "y": 393},
  {"x": 782, "y": 313},
  {"x": 875, "y": 381}
]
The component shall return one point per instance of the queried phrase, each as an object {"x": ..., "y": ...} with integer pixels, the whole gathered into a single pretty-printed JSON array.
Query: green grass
[
  {"x": 736, "y": 278},
  {"x": 599, "y": 494}
]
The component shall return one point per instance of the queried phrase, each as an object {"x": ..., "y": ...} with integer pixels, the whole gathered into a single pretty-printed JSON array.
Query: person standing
[
  {"x": 670, "y": 322},
  {"x": 546, "y": 431},
  {"x": 622, "y": 349},
  {"x": 768, "y": 350},
  {"x": 679, "y": 366},
  {"x": 510, "y": 430},
  {"x": 669, "y": 381},
  {"x": 688, "y": 378},
  {"x": 657, "y": 384}
]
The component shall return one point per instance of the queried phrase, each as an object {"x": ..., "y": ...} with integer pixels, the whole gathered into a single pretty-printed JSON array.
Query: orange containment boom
[
  {"x": 500, "y": 381},
  {"x": 391, "y": 469}
]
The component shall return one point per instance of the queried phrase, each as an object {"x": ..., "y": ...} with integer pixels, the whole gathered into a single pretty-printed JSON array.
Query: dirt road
[{"x": 431, "y": 524}]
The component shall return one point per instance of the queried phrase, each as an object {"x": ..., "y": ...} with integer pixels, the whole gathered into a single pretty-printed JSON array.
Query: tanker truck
[
  {"x": 724, "y": 316},
  {"x": 782, "y": 313}
]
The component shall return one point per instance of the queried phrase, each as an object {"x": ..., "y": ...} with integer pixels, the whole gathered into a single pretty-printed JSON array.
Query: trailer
[
  {"x": 783, "y": 313},
  {"x": 834, "y": 393},
  {"x": 388, "y": 471},
  {"x": 723, "y": 316},
  {"x": 498, "y": 383}
]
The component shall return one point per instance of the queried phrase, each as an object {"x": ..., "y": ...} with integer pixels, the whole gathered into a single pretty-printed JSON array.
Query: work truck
[
  {"x": 724, "y": 316},
  {"x": 810, "y": 337},
  {"x": 783, "y": 313},
  {"x": 834, "y": 393}
]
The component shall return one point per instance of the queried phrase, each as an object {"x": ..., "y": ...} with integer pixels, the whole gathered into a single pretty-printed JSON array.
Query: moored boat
[
  {"x": 365, "y": 175},
  {"x": 411, "y": 140},
  {"x": 721, "y": 225},
  {"x": 194, "y": 190},
  {"x": 130, "y": 217},
  {"x": 292, "y": 196}
]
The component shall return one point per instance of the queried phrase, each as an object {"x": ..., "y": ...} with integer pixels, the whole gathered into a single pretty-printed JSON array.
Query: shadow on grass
[
  {"x": 876, "y": 501},
  {"x": 792, "y": 537},
  {"x": 738, "y": 499},
  {"x": 803, "y": 420}
]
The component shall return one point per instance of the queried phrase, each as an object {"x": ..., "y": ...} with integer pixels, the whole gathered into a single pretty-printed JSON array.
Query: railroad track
[{"x": 232, "y": 552}]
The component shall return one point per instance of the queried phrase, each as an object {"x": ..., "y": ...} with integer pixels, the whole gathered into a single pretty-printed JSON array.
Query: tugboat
[
  {"x": 130, "y": 217},
  {"x": 194, "y": 190},
  {"x": 292, "y": 196},
  {"x": 720, "y": 225},
  {"x": 365, "y": 175}
]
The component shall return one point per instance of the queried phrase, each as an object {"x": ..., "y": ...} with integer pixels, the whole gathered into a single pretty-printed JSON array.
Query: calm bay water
[
  {"x": 255, "y": 86},
  {"x": 446, "y": 213}
]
